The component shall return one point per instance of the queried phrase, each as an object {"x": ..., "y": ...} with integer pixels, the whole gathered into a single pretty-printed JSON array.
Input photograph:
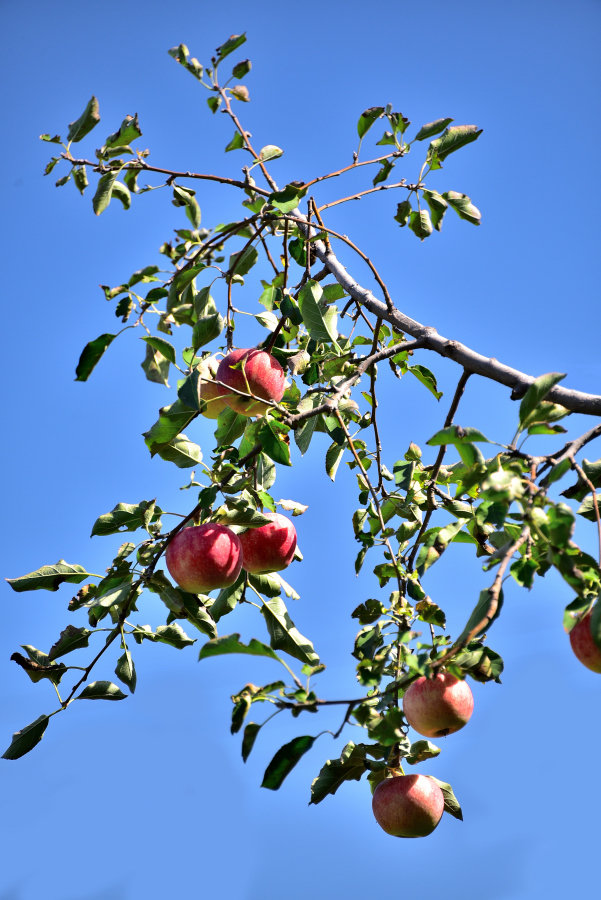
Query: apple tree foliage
[{"x": 331, "y": 335}]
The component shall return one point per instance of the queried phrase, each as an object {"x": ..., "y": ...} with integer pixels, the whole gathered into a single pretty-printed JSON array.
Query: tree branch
[{"x": 472, "y": 361}]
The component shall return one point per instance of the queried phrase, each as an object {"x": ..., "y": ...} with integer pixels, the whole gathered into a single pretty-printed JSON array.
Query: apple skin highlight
[{"x": 204, "y": 557}]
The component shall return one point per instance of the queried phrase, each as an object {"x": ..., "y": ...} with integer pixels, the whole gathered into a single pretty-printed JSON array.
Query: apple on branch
[
  {"x": 438, "y": 706},
  {"x": 253, "y": 372},
  {"x": 583, "y": 645},
  {"x": 270, "y": 547},
  {"x": 203, "y": 557},
  {"x": 408, "y": 805}
]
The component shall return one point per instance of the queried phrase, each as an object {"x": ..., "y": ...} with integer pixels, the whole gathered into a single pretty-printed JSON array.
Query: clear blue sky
[{"x": 149, "y": 797}]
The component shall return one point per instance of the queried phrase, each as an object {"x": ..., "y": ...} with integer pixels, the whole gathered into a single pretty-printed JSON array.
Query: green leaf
[
  {"x": 421, "y": 224},
  {"x": 228, "y": 598},
  {"x": 455, "y": 434},
  {"x": 236, "y": 143},
  {"x": 403, "y": 213},
  {"x": 104, "y": 191},
  {"x": 121, "y": 192},
  {"x": 38, "y": 666},
  {"x": 127, "y": 517},
  {"x": 102, "y": 690},
  {"x": 89, "y": 118},
  {"x": 164, "y": 347},
  {"x": 438, "y": 206},
  {"x": 248, "y": 740},
  {"x": 71, "y": 638},
  {"x": 587, "y": 508},
  {"x": 333, "y": 457},
  {"x": 427, "y": 378},
  {"x": 453, "y": 139},
  {"x": 384, "y": 171},
  {"x": 49, "y": 578},
  {"x": 186, "y": 197},
  {"x": 288, "y": 199},
  {"x": 174, "y": 635},
  {"x": 91, "y": 355},
  {"x": 242, "y": 68},
  {"x": 274, "y": 443},
  {"x": 367, "y": 119},
  {"x": 128, "y": 131},
  {"x": 230, "y": 643},
  {"x": 318, "y": 326},
  {"x": 285, "y": 760},
  {"x": 478, "y": 614},
  {"x": 432, "y": 128},
  {"x": 26, "y": 739},
  {"x": 451, "y": 804},
  {"x": 350, "y": 767},
  {"x": 270, "y": 151},
  {"x": 206, "y": 329},
  {"x": 172, "y": 420},
  {"x": 463, "y": 206},
  {"x": 230, "y": 426},
  {"x": 126, "y": 671},
  {"x": 422, "y": 750},
  {"x": 242, "y": 262},
  {"x": 155, "y": 366},
  {"x": 181, "y": 451},
  {"x": 80, "y": 177},
  {"x": 537, "y": 391},
  {"x": 233, "y": 42},
  {"x": 284, "y": 634}
]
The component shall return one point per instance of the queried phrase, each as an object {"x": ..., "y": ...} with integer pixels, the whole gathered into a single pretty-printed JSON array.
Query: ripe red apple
[
  {"x": 408, "y": 805},
  {"x": 269, "y": 548},
  {"x": 204, "y": 557},
  {"x": 438, "y": 706},
  {"x": 258, "y": 373},
  {"x": 584, "y": 646},
  {"x": 213, "y": 394}
]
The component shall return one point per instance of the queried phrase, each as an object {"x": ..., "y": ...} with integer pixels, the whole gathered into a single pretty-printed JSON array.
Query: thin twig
[
  {"x": 436, "y": 468},
  {"x": 360, "y": 194},
  {"x": 493, "y": 605}
]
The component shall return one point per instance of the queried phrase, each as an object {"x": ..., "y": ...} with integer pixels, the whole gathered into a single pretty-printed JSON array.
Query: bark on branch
[{"x": 488, "y": 367}]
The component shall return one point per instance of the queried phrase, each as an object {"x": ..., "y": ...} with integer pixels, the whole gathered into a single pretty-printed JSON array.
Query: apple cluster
[
  {"x": 203, "y": 557},
  {"x": 211, "y": 555},
  {"x": 412, "y": 805}
]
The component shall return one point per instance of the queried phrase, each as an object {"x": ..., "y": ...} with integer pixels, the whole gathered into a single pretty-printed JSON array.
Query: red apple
[
  {"x": 270, "y": 547},
  {"x": 583, "y": 645},
  {"x": 258, "y": 373},
  {"x": 204, "y": 557},
  {"x": 438, "y": 706},
  {"x": 408, "y": 805},
  {"x": 213, "y": 394}
]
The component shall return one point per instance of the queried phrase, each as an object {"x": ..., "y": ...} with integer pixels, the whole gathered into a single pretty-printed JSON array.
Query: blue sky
[{"x": 149, "y": 797}]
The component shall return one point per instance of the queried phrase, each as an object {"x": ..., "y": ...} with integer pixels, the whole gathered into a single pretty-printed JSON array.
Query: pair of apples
[
  {"x": 208, "y": 556},
  {"x": 412, "y": 805}
]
